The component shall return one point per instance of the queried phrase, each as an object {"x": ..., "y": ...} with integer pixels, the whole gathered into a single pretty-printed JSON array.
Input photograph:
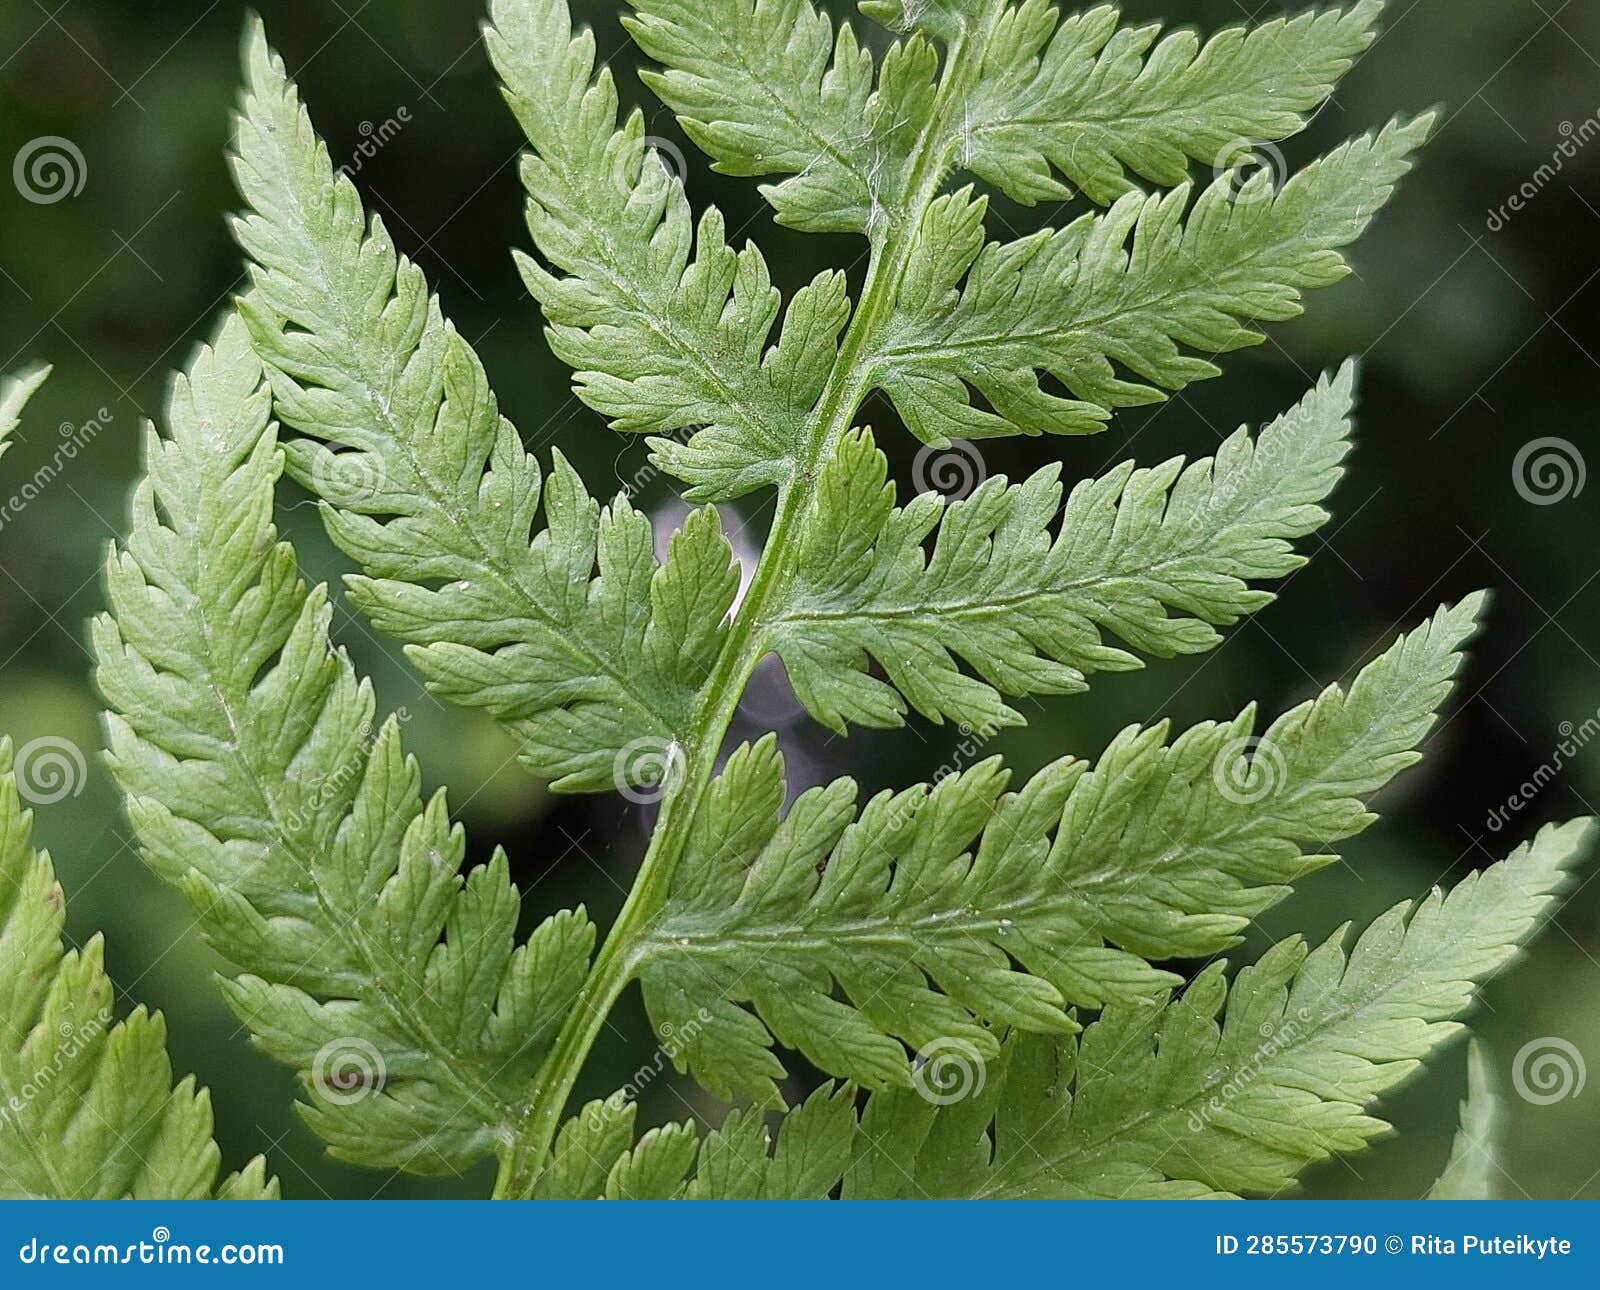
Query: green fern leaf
[
  {"x": 436, "y": 496},
  {"x": 1222, "y": 1091},
  {"x": 15, "y": 391},
  {"x": 1028, "y": 612},
  {"x": 665, "y": 324},
  {"x": 768, "y": 87},
  {"x": 1091, "y": 99},
  {"x": 256, "y": 783},
  {"x": 765, "y": 87},
  {"x": 1473, "y": 1171},
  {"x": 88, "y": 1110},
  {"x": 596, "y": 1157},
  {"x": 1215, "y": 1092},
  {"x": 941, "y": 912},
  {"x": 1077, "y": 302}
]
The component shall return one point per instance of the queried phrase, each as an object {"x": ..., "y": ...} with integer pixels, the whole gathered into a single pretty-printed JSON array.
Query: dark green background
[{"x": 1475, "y": 343}]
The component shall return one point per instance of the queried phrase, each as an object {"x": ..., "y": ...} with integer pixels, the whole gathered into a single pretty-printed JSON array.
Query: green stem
[{"x": 848, "y": 384}]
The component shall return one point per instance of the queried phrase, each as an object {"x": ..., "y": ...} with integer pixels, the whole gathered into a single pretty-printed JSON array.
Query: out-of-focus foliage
[{"x": 1479, "y": 327}]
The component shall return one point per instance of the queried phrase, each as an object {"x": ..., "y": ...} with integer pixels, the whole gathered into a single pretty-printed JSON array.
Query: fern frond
[
  {"x": 665, "y": 324},
  {"x": 88, "y": 1110},
  {"x": 1134, "y": 287},
  {"x": 436, "y": 496},
  {"x": 939, "y": 913},
  {"x": 15, "y": 391},
  {"x": 1158, "y": 557},
  {"x": 255, "y": 783},
  {"x": 765, "y": 87},
  {"x": 1473, "y": 1170},
  {"x": 1223, "y": 1090},
  {"x": 1092, "y": 99},
  {"x": 596, "y": 1157}
]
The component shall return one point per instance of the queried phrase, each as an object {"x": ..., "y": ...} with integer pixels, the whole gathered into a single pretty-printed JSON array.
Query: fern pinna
[{"x": 1014, "y": 988}]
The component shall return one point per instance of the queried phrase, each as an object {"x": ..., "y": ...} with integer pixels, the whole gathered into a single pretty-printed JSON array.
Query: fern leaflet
[
  {"x": 1025, "y": 610},
  {"x": 256, "y": 783},
  {"x": 90, "y": 1111},
  {"x": 1226, "y": 1090},
  {"x": 435, "y": 495},
  {"x": 1473, "y": 1170},
  {"x": 1133, "y": 287},
  {"x": 15, "y": 391}
]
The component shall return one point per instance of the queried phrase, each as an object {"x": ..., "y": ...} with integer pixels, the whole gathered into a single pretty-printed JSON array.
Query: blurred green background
[{"x": 1480, "y": 336}]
